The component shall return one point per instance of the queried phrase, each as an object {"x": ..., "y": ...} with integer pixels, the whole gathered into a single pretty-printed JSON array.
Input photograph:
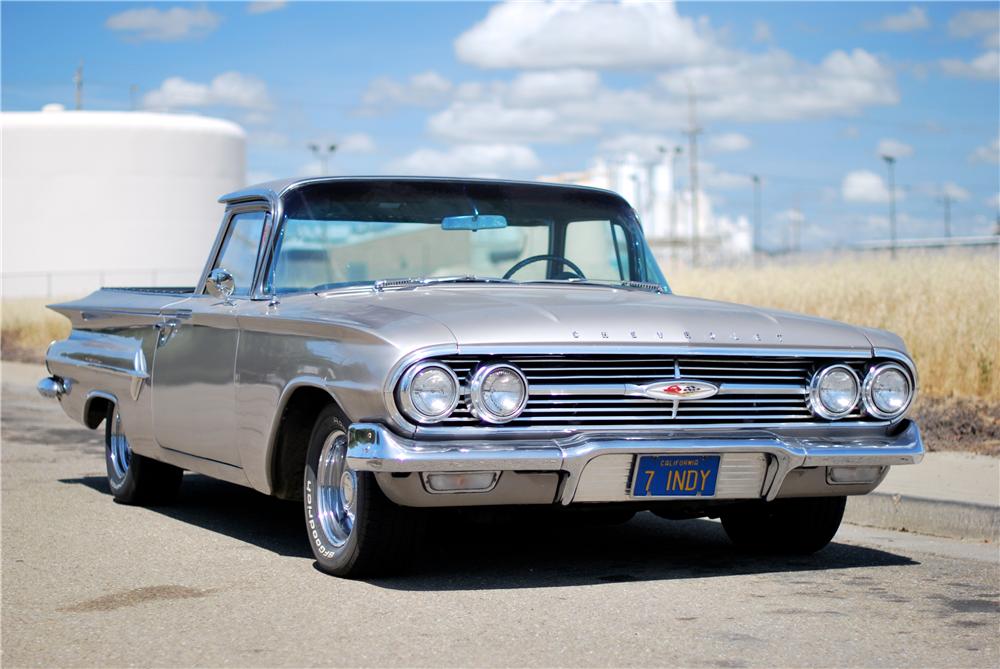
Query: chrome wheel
[
  {"x": 336, "y": 490},
  {"x": 119, "y": 452}
]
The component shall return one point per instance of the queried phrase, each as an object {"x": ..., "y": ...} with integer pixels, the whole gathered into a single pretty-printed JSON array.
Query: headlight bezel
[
  {"x": 405, "y": 400},
  {"x": 477, "y": 403},
  {"x": 816, "y": 403},
  {"x": 867, "y": 391}
]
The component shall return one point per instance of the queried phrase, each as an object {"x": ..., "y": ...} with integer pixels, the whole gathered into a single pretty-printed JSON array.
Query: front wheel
[
  {"x": 353, "y": 528},
  {"x": 134, "y": 478},
  {"x": 801, "y": 525}
]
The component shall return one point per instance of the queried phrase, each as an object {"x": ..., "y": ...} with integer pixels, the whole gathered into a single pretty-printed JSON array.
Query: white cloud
[
  {"x": 358, "y": 142},
  {"x": 645, "y": 147},
  {"x": 771, "y": 86},
  {"x": 762, "y": 32},
  {"x": 268, "y": 138},
  {"x": 987, "y": 153},
  {"x": 976, "y": 23},
  {"x": 420, "y": 90},
  {"x": 494, "y": 121},
  {"x": 984, "y": 66},
  {"x": 955, "y": 192},
  {"x": 531, "y": 88},
  {"x": 265, "y": 6},
  {"x": 711, "y": 177},
  {"x": 790, "y": 216},
  {"x": 914, "y": 18},
  {"x": 732, "y": 141},
  {"x": 894, "y": 148},
  {"x": 547, "y": 35},
  {"x": 865, "y": 186},
  {"x": 164, "y": 25},
  {"x": 484, "y": 160},
  {"x": 229, "y": 89},
  {"x": 775, "y": 86}
]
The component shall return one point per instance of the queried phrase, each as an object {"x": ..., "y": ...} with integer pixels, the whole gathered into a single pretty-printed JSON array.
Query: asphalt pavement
[{"x": 225, "y": 578}]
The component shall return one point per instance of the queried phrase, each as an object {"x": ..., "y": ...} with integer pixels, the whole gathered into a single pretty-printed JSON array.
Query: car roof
[{"x": 273, "y": 190}]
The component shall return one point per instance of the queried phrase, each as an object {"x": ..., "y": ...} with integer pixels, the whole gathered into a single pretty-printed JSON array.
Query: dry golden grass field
[{"x": 946, "y": 305}]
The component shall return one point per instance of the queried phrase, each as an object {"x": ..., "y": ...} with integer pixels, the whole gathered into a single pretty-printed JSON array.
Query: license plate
[{"x": 675, "y": 475}]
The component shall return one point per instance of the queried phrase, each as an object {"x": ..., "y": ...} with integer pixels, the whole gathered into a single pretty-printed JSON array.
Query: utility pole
[
  {"x": 674, "y": 159},
  {"x": 692, "y": 133},
  {"x": 323, "y": 155},
  {"x": 946, "y": 200},
  {"x": 756, "y": 216},
  {"x": 133, "y": 96},
  {"x": 78, "y": 84},
  {"x": 890, "y": 163}
]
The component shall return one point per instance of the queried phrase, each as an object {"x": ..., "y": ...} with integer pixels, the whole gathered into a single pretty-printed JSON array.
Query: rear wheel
[
  {"x": 801, "y": 525},
  {"x": 354, "y": 530},
  {"x": 134, "y": 478}
]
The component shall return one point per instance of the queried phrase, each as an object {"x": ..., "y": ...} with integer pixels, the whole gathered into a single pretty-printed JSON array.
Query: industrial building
[
  {"x": 676, "y": 230},
  {"x": 94, "y": 198}
]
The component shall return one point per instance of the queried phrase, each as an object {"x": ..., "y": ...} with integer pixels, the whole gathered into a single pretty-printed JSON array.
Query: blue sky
[{"x": 801, "y": 93}]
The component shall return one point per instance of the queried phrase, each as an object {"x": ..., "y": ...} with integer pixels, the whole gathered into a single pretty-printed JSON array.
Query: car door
[{"x": 194, "y": 397}]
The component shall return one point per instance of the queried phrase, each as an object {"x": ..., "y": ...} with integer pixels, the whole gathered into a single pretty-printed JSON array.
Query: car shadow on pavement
[{"x": 515, "y": 549}]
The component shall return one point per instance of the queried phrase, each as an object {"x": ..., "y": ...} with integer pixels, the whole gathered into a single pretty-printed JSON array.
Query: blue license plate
[{"x": 675, "y": 475}]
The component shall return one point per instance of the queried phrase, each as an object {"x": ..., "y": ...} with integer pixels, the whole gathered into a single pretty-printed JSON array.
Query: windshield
[{"x": 344, "y": 233}]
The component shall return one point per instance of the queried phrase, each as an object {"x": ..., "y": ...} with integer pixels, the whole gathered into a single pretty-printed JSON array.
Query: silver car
[{"x": 378, "y": 346}]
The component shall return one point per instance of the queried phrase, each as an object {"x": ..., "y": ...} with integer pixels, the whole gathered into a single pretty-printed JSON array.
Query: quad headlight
[
  {"x": 498, "y": 393},
  {"x": 887, "y": 391},
  {"x": 428, "y": 392},
  {"x": 834, "y": 392}
]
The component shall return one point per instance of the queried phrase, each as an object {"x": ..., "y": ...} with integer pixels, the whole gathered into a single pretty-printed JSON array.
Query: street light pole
[
  {"x": 323, "y": 155},
  {"x": 756, "y": 215},
  {"x": 890, "y": 163}
]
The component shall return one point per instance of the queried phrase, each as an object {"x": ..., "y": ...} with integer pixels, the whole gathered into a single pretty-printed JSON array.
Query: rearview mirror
[{"x": 476, "y": 222}]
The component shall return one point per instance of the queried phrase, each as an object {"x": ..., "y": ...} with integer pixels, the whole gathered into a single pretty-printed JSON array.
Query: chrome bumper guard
[{"x": 372, "y": 447}]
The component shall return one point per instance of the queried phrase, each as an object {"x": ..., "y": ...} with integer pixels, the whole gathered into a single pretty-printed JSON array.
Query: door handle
[{"x": 166, "y": 331}]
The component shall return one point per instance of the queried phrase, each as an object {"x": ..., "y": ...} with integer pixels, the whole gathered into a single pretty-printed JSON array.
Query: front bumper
[{"x": 762, "y": 461}]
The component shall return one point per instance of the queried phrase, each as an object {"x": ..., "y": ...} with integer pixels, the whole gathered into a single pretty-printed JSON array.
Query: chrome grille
[{"x": 581, "y": 390}]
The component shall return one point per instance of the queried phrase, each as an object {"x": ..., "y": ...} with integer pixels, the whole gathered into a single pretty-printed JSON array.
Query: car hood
[{"x": 560, "y": 315}]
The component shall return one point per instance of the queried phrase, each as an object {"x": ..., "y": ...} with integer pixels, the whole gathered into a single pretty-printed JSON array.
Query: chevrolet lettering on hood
[{"x": 374, "y": 347}]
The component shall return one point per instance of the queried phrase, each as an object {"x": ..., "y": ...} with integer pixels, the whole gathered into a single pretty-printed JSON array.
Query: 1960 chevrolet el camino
[{"x": 374, "y": 346}]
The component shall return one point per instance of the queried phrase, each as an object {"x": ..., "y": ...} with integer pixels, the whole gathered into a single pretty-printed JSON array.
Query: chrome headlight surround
[
  {"x": 406, "y": 387},
  {"x": 816, "y": 404},
  {"x": 867, "y": 391},
  {"x": 477, "y": 402}
]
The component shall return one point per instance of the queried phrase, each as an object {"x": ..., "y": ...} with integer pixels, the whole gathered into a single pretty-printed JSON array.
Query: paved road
[{"x": 224, "y": 578}]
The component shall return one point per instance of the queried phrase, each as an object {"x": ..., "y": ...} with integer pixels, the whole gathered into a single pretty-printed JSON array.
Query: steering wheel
[{"x": 540, "y": 258}]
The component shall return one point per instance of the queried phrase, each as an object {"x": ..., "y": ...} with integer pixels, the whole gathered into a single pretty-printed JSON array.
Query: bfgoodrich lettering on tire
[{"x": 353, "y": 529}]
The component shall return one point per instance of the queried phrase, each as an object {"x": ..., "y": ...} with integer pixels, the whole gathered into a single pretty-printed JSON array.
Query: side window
[
  {"x": 600, "y": 248},
  {"x": 240, "y": 249}
]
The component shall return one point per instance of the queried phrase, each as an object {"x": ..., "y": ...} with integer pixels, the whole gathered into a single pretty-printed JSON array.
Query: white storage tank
[{"x": 111, "y": 198}]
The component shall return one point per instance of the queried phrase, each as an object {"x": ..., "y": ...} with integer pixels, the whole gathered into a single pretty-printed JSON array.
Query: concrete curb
[{"x": 942, "y": 518}]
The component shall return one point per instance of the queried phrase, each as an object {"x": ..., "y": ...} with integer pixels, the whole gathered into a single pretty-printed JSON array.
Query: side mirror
[{"x": 220, "y": 284}]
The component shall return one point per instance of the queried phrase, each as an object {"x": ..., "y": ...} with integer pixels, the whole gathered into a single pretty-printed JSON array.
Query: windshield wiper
[
  {"x": 416, "y": 282},
  {"x": 638, "y": 285}
]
